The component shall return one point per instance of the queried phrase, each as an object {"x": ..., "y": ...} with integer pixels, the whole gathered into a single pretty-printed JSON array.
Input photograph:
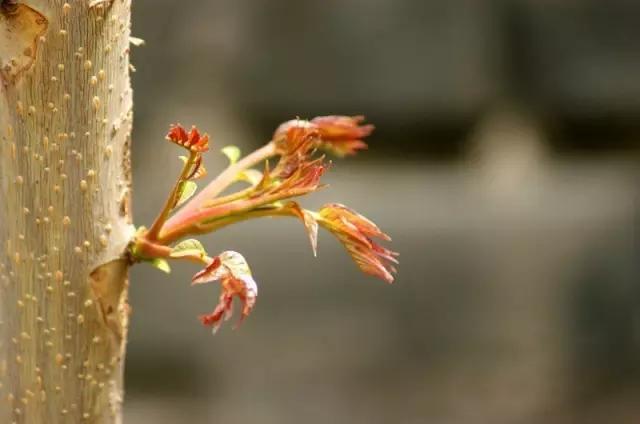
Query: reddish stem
[{"x": 222, "y": 181}]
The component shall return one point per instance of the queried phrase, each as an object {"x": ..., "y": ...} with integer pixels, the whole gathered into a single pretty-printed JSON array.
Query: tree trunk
[{"x": 65, "y": 121}]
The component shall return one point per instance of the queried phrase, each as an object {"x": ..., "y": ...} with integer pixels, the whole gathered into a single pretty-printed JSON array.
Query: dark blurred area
[{"x": 505, "y": 165}]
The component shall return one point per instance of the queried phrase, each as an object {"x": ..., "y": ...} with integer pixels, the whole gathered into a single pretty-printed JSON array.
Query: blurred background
[{"x": 505, "y": 165}]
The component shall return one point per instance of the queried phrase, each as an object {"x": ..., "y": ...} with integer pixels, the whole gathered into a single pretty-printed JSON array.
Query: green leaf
[
  {"x": 191, "y": 247},
  {"x": 187, "y": 189},
  {"x": 184, "y": 159},
  {"x": 232, "y": 153},
  {"x": 252, "y": 176},
  {"x": 161, "y": 264}
]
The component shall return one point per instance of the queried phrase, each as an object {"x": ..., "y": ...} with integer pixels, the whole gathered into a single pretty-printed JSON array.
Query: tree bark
[{"x": 65, "y": 121}]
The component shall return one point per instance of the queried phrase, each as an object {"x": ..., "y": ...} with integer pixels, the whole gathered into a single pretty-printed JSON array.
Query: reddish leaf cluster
[
  {"x": 356, "y": 233},
  {"x": 195, "y": 143},
  {"x": 342, "y": 135},
  {"x": 297, "y": 172},
  {"x": 192, "y": 140},
  {"x": 236, "y": 281},
  {"x": 339, "y": 135}
]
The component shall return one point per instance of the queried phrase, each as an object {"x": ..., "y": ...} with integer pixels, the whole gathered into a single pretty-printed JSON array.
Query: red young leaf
[
  {"x": 192, "y": 141},
  {"x": 356, "y": 233},
  {"x": 235, "y": 278}
]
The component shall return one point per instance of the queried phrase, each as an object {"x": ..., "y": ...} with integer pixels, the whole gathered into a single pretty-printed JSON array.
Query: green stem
[
  {"x": 153, "y": 232},
  {"x": 199, "y": 228},
  {"x": 142, "y": 249}
]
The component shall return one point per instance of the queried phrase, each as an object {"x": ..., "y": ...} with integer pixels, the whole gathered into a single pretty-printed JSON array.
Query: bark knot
[
  {"x": 108, "y": 284},
  {"x": 20, "y": 29}
]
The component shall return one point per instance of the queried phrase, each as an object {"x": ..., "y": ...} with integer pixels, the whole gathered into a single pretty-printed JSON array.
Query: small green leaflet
[
  {"x": 187, "y": 189},
  {"x": 232, "y": 153},
  {"x": 191, "y": 247},
  {"x": 252, "y": 176},
  {"x": 161, "y": 264}
]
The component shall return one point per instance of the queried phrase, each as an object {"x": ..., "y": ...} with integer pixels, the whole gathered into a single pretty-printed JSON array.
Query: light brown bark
[{"x": 65, "y": 121}]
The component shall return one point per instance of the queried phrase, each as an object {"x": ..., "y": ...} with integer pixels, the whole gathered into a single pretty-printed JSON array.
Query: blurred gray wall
[{"x": 505, "y": 166}]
